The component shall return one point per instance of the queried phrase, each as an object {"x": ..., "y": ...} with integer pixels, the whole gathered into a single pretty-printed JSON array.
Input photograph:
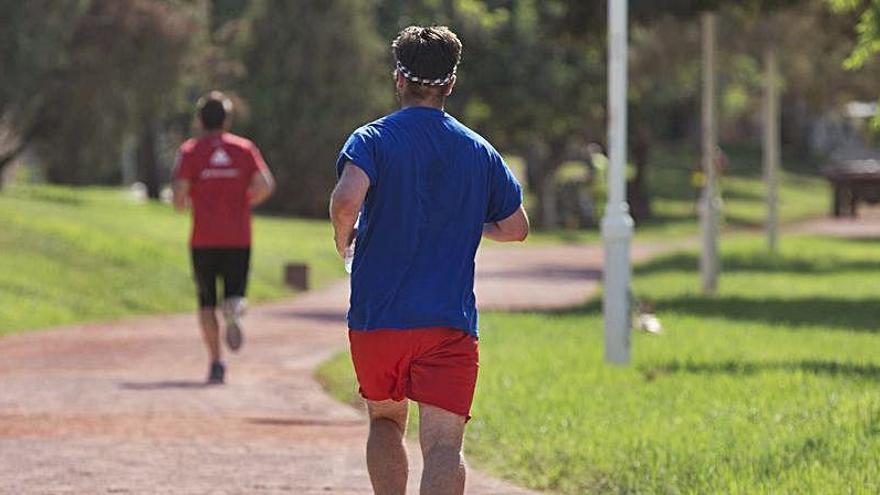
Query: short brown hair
[
  {"x": 427, "y": 57},
  {"x": 213, "y": 109}
]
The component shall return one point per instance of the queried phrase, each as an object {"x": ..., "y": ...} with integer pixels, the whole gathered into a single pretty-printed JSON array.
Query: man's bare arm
[
  {"x": 345, "y": 204},
  {"x": 514, "y": 228},
  {"x": 261, "y": 187},
  {"x": 180, "y": 188}
]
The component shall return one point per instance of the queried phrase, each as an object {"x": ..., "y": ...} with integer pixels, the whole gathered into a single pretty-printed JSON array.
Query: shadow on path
[
  {"x": 325, "y": 316},
  {"x": 304, "y": 422},
  {"x": 165, "y": 385},
  {"x": 546, "y": 272}
]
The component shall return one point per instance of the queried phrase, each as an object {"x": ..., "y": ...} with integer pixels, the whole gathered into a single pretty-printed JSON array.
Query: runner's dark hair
[
  {"x": 213, "y": 109},
  {"x": 427, "y": 53}
]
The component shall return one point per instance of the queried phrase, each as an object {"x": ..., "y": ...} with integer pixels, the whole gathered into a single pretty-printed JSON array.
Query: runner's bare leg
[
  {"x": 440, "y": 435},
  {"x": 386, "y": 450},
  {"x": 210, "y": 332}
]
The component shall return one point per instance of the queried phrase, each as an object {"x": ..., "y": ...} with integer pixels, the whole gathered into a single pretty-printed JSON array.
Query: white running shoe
[{"x": 233, "y": 310}]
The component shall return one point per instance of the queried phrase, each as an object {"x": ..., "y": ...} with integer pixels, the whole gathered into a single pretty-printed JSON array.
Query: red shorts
[{"x": 435, "y": 366}]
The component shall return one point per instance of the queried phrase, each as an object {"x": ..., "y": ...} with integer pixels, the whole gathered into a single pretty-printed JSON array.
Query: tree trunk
[
  {"x": 535, "y": 157},
  {"x": 637, "y": 189},
  {"x": 549, "y": 197},
  {"x": 5, "y": 161},
  {"x": 148, "y": 161},
  {"x": 10, "y": 156},
  {"x": 541, "y": 162}
]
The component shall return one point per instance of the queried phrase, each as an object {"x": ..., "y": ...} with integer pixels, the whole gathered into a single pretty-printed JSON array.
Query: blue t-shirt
[{"x": 433, "y": 184}]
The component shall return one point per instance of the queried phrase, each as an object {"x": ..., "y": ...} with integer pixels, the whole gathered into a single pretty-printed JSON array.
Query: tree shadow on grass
[
  {"x": 744, "y": 368},
  {"x": 858, "y": 315},
  {"x": 861, "y": 315},
  {"x": 863, "y": 239},
  {"x": 687, "y": 262}
]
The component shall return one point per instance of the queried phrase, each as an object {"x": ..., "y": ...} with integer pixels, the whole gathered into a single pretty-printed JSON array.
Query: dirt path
[
  {"x": 866, "y": 225},
  {"x": 120, "y": 407}
]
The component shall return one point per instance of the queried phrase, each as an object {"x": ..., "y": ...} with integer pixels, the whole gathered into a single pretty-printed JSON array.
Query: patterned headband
[{"x": 421, "y": 80}]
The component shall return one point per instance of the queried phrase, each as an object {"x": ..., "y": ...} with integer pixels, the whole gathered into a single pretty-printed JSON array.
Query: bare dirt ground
[
  {"x": 866, "y": 225},
  {"x": 121, "y": 407}
]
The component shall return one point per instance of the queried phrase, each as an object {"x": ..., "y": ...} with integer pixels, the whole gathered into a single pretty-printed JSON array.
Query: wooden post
[
  {"x": 771, "y": 145},
  {"x": 296, "y": 276},
  {"x": 710, "y": 201}
]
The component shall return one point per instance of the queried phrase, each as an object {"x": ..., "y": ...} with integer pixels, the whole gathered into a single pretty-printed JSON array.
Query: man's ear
[
  {"x": 399, "y": 80},
  {"x": 450, "y": 86}
]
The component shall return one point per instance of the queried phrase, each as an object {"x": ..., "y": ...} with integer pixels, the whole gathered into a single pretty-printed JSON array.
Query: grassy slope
[
  {"x": 770, "y": 387},
  {"x": 802, "y": 194},
  {"x": 90, "y": 254}
]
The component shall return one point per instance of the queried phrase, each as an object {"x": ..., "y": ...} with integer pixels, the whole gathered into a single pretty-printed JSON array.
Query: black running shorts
[{"x": 209, "y": 264}]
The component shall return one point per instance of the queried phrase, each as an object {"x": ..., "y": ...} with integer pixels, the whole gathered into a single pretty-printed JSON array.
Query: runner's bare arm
[
  {"x": 345, "y": 204},
  {"x": 262, "y": 186},
  {"x": 514, "y": 228},
  {"x": 180, "y": 188}
]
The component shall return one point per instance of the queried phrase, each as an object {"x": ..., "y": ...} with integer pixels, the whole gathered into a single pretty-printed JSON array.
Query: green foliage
[
  {"x": 310, "y": 83},
  {"x": 32, "y": 40},
  {"x": 769, "y": 387},
  {"x": 33, "y": 37},
  {"x": 81, "y": 75},
  {"x": 868, "y": 30},
  {"x": 95, "y": 254}
]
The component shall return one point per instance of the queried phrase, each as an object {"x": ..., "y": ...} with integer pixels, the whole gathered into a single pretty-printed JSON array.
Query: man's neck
[{"x": 410, "y": 103}]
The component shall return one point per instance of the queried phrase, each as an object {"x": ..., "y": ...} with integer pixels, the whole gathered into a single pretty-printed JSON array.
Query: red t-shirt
[{"x": 220, "y": 168}]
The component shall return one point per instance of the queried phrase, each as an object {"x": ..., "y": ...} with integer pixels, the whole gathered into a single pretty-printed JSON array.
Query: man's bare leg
[
  {"x": 386, "y": 451},
  {"x": 440, "y": 435},
  {"x": 210, "y": 332}
]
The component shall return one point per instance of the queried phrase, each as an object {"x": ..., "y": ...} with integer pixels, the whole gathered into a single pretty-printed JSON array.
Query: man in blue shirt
[{"x": 426, "y": 189}]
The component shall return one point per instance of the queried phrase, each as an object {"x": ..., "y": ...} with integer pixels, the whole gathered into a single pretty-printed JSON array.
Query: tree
[
  {"x": 103, "y": 69},
  {"x": 33, "y": 37},
  {"x": 309, "y": 84},
  {"x": 867, "y": 33},
  {"x": 867, "y": 29}
]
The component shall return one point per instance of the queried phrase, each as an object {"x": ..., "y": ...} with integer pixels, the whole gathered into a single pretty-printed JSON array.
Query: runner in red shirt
[{"x": 222, "y": 176}]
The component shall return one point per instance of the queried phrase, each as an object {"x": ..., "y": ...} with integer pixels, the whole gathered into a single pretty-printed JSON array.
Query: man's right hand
[
  {"x": 346, "y": 249},
  {"x": 180, "y": 188}
]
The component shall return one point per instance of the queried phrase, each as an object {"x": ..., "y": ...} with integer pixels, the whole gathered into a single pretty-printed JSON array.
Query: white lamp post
[{"x": 617, "y": 224}]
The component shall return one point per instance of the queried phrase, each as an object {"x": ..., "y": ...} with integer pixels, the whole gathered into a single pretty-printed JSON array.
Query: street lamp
[{"x": 617, "y": 224}]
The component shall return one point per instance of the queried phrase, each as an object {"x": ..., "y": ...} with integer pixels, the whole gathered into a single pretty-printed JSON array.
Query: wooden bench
[{"x": 852, "y": 182}]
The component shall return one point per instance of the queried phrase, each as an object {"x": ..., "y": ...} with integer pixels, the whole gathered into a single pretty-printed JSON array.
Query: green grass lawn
[
  {"x": 772, "y": 386},
  {"x": 72, "y": 255},
  {"x": 802, "y": 194}
]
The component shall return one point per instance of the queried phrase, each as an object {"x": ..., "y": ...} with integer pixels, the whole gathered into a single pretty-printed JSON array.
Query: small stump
[{"x": 296, "y": 276}]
